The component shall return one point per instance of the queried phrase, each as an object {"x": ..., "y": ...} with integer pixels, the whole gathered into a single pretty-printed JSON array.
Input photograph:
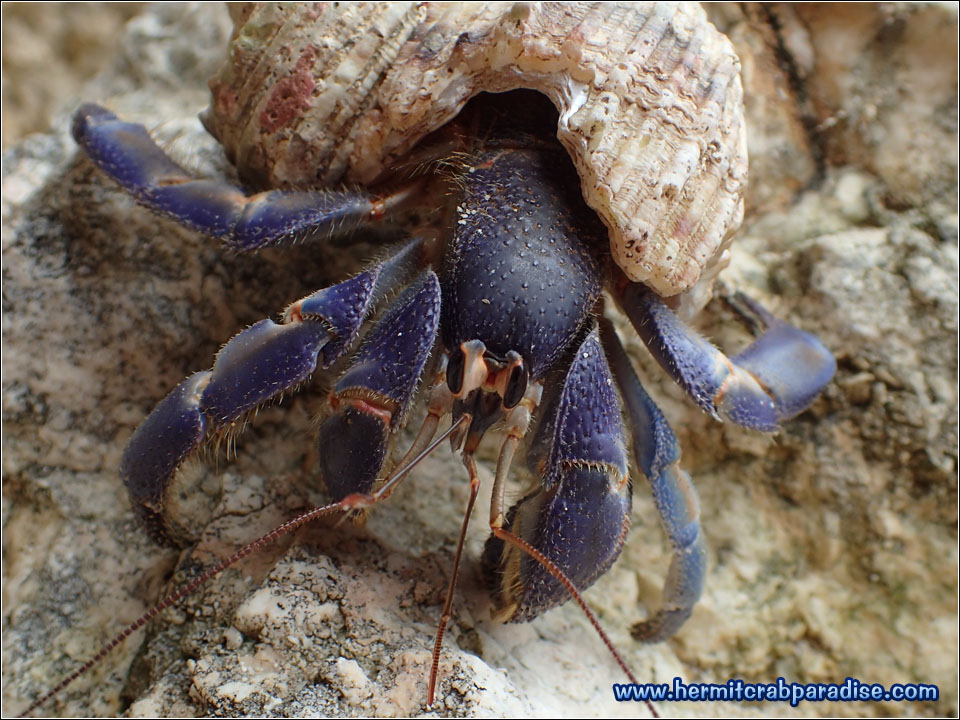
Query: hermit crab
[{"x": 492, "y": 307}]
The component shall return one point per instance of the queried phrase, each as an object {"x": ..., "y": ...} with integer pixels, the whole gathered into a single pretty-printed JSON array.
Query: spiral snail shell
[{"x": 649, "y": 97}]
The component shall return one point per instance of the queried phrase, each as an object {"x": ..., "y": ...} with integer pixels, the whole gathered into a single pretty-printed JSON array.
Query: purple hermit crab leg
[
  {"x": 657, "y": 455},
  {"x": 257, "y": 365},
  {"x": 775, "y": 378},
  {"x": 369, "y": 402},
  {"x": 579, "y": 513},
  {"x": 127, "y": 153}
]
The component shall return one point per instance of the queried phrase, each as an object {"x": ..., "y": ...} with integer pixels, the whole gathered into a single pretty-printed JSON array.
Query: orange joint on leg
[
  {"x": 365, "y": 401},
  {"x": 378, "y": 209},
  {"x": 381, "y": 412},
  {"x": 293, "y": 313},
  {"x": 737, "y": 376}
]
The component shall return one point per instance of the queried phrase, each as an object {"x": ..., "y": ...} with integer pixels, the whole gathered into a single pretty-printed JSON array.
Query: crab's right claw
[
  {"x": 256, "y": 366},
  {"x": 369, "y": 402}
]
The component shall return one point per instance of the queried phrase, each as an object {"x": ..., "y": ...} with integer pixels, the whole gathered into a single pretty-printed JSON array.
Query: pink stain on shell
[
  {"x": 291, "y": 96},
  {"x": 649, "y": 96}
]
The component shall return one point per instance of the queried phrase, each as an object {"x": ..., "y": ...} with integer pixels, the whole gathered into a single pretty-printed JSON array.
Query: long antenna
[
  {"x": 561, "y": 577},
  {"x": 349, "y": 504},
  {"x": 448, "y": 602}
]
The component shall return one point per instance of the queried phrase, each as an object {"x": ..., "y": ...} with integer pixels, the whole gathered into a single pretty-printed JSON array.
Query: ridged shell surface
[{"x": 649, "y": 97}]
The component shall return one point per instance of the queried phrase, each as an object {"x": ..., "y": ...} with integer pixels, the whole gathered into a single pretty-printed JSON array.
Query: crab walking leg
[
  {"x": 774, "y": 379},
  {"x": 579, "y": 513},
  {"x": 350, "y": 504},
  {"x": 127, "y": 153},
  {"x": 369, "y": 402},
  {"x": 257, "y": 365},
  {"x": 657, "y": 454}
]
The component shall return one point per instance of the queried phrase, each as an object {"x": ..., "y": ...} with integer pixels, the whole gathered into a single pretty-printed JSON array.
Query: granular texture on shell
[{"x": 649, "y": 97}]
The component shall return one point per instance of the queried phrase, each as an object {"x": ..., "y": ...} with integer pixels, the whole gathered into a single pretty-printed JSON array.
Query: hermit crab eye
[
  {"x": 455, "y": 368},
  {"x": 516, "y": 386}
]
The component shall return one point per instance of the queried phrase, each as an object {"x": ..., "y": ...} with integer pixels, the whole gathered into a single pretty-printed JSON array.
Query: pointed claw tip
[{"x": 84, "y": 115}]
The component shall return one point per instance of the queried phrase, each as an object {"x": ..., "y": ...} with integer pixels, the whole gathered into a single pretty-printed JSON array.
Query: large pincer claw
[{"x": 578, "y": 514}]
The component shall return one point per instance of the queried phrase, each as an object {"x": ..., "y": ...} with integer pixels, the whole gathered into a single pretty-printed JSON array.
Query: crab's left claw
[
  {"x": 578, "y": 514},
  {"x": 777, "y": 377}
]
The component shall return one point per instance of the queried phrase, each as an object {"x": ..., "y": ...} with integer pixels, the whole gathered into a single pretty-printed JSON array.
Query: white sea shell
[{"x": 649, "y": 97}]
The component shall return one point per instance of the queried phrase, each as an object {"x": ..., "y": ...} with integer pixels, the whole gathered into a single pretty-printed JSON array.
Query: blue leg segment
[
  {"x": 774, "y": 379},
  {"x": 370, "y": 400},
  {"x": 256, "y": 366},
  {"x": 126, "y": 152},
  {"x": 657, "y": 455},
  {"x": 579, "y": 514}
]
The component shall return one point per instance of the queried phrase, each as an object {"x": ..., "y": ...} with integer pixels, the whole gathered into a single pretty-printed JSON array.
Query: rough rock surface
[
  {"x": 70, "y": 42},
  {"x": 833, "y": 545}
]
